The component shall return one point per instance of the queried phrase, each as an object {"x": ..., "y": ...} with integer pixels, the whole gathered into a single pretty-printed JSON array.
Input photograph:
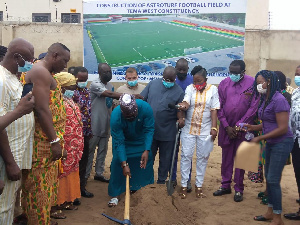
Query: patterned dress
[
  {"x": 69, "y": 185},
  {"x": 39, "y": 185}
]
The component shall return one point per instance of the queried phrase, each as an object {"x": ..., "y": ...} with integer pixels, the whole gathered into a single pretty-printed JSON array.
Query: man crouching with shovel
[{"x": 132, "y": 128}]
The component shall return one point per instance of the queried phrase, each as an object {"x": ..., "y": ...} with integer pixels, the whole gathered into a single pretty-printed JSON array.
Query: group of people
[{"x": 51, "y": 125}]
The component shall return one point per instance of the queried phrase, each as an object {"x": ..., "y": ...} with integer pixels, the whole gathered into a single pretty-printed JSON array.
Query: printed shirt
[
  {"x": 198, "y": 116},
  {"x": 83, "y": 98},
  {"x": 295, "y": 114},
  {"x": 20, "y": 132}
]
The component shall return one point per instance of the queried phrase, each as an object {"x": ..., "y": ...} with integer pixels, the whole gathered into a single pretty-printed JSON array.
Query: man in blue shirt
[
  {"x": 159, "y": 93},
  {"x": 183, "y": 79}
]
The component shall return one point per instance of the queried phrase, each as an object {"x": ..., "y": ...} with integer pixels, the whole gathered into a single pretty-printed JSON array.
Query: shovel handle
[{"x": 127, "y": 199}]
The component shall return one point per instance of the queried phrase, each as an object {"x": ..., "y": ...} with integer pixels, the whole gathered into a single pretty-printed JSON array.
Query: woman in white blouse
[{"x": 200, "y": 102}]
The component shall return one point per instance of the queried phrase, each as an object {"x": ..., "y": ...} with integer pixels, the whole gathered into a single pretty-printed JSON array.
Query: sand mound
[{"x": 152, "y": 205}]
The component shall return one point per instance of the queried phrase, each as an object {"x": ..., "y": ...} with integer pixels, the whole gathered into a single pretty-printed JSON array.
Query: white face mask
[{"x": 260, "y": 89}]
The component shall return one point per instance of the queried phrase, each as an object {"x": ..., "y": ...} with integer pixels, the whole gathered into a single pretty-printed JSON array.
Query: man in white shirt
[{"x": 17, "y": 139}]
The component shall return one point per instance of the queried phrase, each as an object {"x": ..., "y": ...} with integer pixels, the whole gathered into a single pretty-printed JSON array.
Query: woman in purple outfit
[{"x": 274, "y": 112}]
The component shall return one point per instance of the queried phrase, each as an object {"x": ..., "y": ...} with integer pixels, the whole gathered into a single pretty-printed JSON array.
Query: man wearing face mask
[
  {"x": 183, "y": 79},
  {"x": 132, "y": 86},
  {"x": 237, "y": 105},
  {"x": 83, "y": 99},
  {"x": 17, "y": 139},
  {"x": 159, "y": 93}
]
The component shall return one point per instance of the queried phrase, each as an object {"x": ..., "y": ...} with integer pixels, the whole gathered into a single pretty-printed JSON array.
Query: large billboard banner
[{"x": 151, "y": 35}]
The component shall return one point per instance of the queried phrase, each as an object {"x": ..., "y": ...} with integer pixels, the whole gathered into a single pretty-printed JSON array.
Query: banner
[{"x": 151, "y": 35}]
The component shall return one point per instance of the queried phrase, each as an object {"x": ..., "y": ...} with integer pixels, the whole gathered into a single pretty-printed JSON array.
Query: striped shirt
[{"x": 20, "y": 132}]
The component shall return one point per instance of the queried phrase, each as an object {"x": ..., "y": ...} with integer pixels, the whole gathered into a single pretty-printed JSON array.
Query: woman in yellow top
[{"x": 200, "y": 102}]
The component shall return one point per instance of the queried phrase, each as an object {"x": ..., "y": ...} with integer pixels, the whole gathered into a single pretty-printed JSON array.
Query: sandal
[
  {"x": 70, "y": 206},
  {"x": 261, "y": 195},
  {"x": 113, "y": 202},
  {"x": 264, "y": 200},
  {"x": 57, "y": 215},
  {"x": 261, "y": 218},
  {"x": 53, "y": 222},
  {"x": 199, "y": 193},
  {"x": 183, "y": 192}
]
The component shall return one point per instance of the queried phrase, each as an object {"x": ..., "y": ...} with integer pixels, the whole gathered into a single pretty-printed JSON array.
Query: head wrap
[
  {"x": 65, "y": 79},
  {"x": 128, "y": 105}
]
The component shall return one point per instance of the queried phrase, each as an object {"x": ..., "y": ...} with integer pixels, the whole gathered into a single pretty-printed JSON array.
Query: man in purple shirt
[
  {"x": 183, "y": 79},
  {"x": 237, "y": 105}
]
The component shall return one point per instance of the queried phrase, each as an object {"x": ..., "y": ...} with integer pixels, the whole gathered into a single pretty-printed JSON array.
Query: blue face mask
[
  {"x": 132, "y": 83},
  {"x": 69, "y": 93},
  {"x": 27, "y": 66},
  {"x": 168, "y": 84},
  {"x": 82, "y": 84},
  {"x": 297, "y": 80},
  {"x": 235, "y": 77}
]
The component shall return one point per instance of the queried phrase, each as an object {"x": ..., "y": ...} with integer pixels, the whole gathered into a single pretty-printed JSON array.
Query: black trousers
[
  {"x": 83, "y": 162},
  {"x": 296, "y": 162}
]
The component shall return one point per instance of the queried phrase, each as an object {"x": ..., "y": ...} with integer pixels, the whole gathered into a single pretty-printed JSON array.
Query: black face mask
[
  {"x": 181, "y": 76},
  {"x": 106, "y": 77}
]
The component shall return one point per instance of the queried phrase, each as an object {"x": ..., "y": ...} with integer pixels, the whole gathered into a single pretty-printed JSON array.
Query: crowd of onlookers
[{"x": 52, "y": 123}]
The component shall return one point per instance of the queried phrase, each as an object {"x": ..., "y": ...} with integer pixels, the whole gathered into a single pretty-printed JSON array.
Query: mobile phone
[{"x": 26, "y": 89}]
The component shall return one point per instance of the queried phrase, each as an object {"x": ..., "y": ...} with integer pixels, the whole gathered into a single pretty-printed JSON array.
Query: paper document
[
  {"x": 247, "y": 156},
  {"x": 208, "y": 146}
]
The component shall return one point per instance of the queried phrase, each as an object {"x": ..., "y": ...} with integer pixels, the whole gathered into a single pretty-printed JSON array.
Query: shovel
[
  {"x": 127, "y": 205},
  {"x": 170, "y": 187}
]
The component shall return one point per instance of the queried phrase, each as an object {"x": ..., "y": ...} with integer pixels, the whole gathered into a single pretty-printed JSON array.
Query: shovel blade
[{"x": 170, "y": 187}]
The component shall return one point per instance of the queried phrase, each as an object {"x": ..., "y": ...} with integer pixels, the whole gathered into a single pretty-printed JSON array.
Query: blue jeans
[{"x": 276, "y": 156}]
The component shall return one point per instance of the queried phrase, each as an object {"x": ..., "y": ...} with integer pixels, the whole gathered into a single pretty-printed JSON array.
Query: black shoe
[
  {"x": 76, "y": 202},
  {"x": 238, "y": 196},
  {"x": 101, "y": 178},
  {"x": 222, "y": 191},
  {"x": 298, "y": 201},
  {"x": 292, "y": 216},
  {"x": 87, "y": 194}
]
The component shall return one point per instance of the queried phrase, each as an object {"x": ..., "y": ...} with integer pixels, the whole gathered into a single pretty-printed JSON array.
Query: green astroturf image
[{"x": 137, "y": 42}]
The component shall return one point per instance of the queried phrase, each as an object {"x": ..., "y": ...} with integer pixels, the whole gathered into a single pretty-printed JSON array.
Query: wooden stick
[{"x": 127, "y": 199}]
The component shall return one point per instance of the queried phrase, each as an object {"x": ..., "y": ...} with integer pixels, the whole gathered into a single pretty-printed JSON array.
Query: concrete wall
[
  {"x": 21, "y": 10},
  {"x": 43, "y": 35},
  {"x": 272, "y": 50}
]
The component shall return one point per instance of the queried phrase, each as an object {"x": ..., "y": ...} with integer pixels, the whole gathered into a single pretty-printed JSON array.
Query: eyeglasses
[{"x": 168, "y": 80}]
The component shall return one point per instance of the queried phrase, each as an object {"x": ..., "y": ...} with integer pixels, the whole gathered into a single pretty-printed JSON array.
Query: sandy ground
[{"x": 152, "y": 206}]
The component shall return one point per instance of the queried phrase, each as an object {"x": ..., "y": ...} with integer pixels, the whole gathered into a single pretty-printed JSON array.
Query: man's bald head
[
  {"x": 18, "y": 51},
  {"x": 169, "y": 74},
  {"x": 58, "y": 56},
  {"x": 182, "y": 62}
]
